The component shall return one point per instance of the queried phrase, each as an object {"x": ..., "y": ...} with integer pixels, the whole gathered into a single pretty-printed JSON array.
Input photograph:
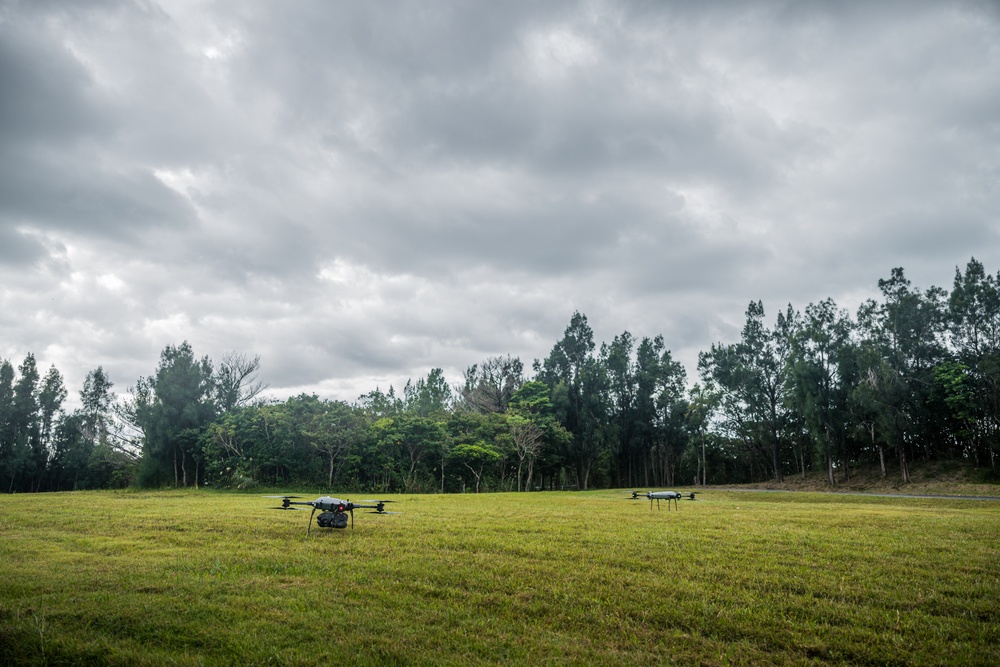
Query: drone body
[
  {"x": 333, "y": 511},
  {"x": 662, "y": 495}
]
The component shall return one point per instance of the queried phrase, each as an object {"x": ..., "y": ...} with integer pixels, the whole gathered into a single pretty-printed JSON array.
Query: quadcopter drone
[
  {"x": 333, "y": 511},
  {"x": 662, "y": 495}
]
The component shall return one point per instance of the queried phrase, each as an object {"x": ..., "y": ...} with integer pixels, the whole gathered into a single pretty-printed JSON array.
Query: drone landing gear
[{"x": 658, "y": 503}]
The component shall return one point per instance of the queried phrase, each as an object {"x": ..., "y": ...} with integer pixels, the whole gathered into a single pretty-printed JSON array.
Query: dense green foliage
[
  {"x": 912, "y": 376},
  {"x": 208, "y": 578}
]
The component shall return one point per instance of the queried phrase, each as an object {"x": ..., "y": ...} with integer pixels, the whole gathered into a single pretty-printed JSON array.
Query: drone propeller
[
  {"x": 296, "y": 509},
  {"x": 379, "y": 506},
  {"x": 286, "y": 502}
]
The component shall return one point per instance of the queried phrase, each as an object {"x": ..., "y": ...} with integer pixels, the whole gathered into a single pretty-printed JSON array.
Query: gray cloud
[{"x": 360, "y": 192}]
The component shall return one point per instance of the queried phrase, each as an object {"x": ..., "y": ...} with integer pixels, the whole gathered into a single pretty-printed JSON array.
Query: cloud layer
[{"x": 360, "y": 192}]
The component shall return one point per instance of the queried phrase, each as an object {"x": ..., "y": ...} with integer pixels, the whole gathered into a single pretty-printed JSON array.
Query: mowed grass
[{"x": 192, "y": 578}]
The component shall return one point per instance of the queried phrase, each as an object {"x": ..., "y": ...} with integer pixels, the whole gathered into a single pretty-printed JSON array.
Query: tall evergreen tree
[
  {"x": 579, "y": 388},
  {"x": 974, "y": 326},
  {"x": 428, "y": 397},
  {"x": 69, "y": 465},
  {"x": 50, "y": 399},
  {"x": 378, "y": 404},
  {"x": 822, "y": 377},
  {"x": 624, "y": 432},
  {"x": 97, "y": 401},
  {"x": 7, "y": 424},
  {"x": 28, "y": 459},
  {"x": 751, "y": 376},
  {"x": 173, "y": 407},
  {"x": 671, "y": 408}
]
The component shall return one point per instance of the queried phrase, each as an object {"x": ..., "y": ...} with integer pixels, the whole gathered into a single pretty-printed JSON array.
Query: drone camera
[{"x": 332, "y": 520}]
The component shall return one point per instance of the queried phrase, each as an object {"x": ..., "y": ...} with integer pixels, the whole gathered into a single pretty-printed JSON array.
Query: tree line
[{"x": 914, "y": 375}]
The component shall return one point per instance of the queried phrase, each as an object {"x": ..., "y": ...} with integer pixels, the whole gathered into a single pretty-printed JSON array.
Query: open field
[{"x": 195, "y": 578}]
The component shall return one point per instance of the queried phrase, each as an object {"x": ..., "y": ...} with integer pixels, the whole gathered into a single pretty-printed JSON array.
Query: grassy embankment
[
  {"x": 211, "y": 578},
  {"x": 945, "y": 478}
]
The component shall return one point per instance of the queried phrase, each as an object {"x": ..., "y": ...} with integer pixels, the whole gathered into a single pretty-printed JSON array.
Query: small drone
[
  {"x": 662, "y": 495},
  {"x": 333, "y": 511}
]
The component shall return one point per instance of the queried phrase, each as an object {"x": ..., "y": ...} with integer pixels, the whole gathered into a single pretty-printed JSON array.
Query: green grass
[{"x": 194, "y": 578}]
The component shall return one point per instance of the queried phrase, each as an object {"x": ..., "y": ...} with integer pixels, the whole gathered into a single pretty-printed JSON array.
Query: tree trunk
[
  {"x": 881, "y": 450},
  {"x": 775, "y": 444},
  {"x": 409, "y": 476},
  {"x": 704, "y": 462},
  {"x": 582, "y": 473},
  {"x": 668, "y": 468},
  {"x": 776, "y": 462}
]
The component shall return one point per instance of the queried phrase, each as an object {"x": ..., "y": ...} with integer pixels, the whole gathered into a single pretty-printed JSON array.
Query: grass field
[{"x": 192, "y": 578}]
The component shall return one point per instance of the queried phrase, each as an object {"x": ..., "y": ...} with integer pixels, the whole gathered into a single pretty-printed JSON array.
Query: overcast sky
[{"x": 359, "y": 192}]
